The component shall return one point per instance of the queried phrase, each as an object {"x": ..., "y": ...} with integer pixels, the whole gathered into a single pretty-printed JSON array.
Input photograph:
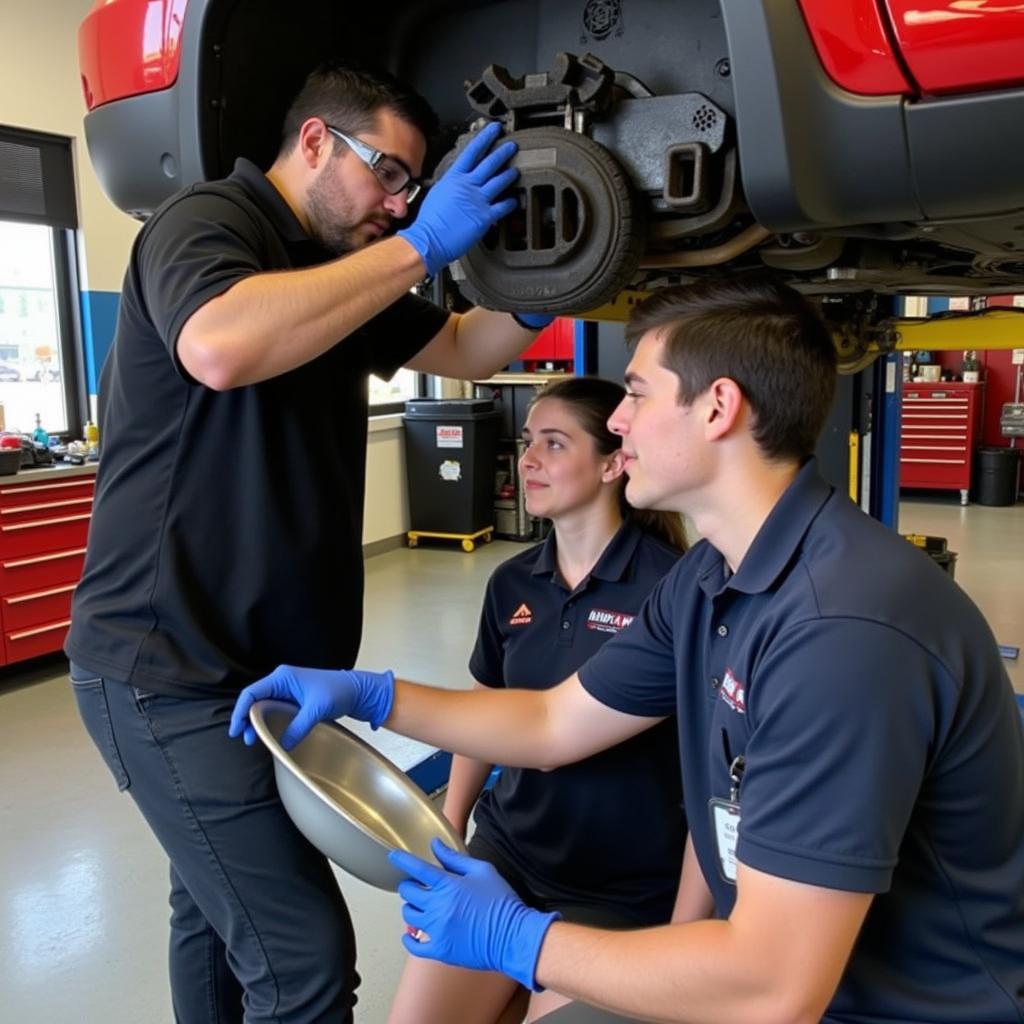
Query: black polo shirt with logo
[
  {"x": 608, "y": 830},
  {"x": 883, "y": 748},
  {"x": 227, "y": 528}
]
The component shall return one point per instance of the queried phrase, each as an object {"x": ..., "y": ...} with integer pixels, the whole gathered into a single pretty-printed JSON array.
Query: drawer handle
[
  {"x": 11, "y": 510},
  {"x": 21, "y": 598},
  {"x": 39, "y": 629},
  {"x": 943, "y": 462},
  {"x": 18, "y": 563},
  {"x": 86, "y": 481},
  {"x": 45, "y": 522}
]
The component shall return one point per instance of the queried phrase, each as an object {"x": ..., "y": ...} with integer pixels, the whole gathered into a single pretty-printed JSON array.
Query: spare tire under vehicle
[{"x": 576, "y": 239}]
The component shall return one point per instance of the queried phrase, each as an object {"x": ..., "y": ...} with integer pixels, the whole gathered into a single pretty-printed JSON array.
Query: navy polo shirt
[
  {"x": 226, "y": 534},
  {"x": 883, "y": 750},
  {"x": 608, "y": 830}
]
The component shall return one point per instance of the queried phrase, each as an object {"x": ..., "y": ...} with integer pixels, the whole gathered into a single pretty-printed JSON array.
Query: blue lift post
[
  {"x": 884, "y": 475},
  {"x": 584, "y": 347}
]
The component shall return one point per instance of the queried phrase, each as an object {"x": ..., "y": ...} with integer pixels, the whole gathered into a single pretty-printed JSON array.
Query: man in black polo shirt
[
  {"x": 226, "y": 534},
  {"x": 853, "y": 763}
]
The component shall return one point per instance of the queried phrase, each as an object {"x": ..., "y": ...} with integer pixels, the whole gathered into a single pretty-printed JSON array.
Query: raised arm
[
  {"x": 475, "y": 345},
  {"x": 268, "y": 323}
]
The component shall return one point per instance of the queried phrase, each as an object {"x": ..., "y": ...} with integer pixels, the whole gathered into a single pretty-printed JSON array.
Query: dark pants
[
  {"x": 593, "y": 914},
  {"x": 257, "y": 920}
]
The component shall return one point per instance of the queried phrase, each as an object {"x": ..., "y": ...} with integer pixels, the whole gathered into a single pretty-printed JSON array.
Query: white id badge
[{"x": 725, "y": 824}]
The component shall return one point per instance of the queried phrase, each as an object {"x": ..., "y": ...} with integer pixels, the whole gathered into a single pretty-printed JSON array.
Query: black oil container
[
  {"x": 995, "y": 480},
  {"x": 450, "y": 455}
]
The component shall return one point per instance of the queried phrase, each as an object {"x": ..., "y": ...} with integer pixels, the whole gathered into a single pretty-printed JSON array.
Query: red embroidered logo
[
  {"x": 605, "y": 621},
  {"x": 522, "y": 616},
  {"x": 734, "y": 693}
]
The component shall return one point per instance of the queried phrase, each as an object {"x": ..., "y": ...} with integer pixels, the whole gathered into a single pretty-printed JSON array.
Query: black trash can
[
  {"x": 996, "y": 476},
  {"x": 450, "y": 454}
]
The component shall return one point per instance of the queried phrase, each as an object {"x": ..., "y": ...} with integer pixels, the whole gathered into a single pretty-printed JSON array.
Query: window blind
[{"x": 37, "y": 182}]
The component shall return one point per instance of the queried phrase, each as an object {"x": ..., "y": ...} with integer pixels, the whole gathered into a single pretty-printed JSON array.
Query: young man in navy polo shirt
[{"x": 853, "y": 763}]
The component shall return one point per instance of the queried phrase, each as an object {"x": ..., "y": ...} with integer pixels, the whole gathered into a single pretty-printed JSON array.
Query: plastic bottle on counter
[
  {"x": 91, "y": 434},
  {"x": 971, "y": 367}
]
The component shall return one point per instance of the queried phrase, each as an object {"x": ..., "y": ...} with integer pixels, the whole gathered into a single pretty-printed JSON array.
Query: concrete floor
[{"x": 83, "y": 901}]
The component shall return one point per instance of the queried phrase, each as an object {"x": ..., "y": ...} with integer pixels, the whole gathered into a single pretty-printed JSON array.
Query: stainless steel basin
[{"x": 348, "y": 799}]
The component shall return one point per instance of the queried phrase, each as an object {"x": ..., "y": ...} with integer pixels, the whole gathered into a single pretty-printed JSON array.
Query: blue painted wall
[{"x": 99, "y": 318}]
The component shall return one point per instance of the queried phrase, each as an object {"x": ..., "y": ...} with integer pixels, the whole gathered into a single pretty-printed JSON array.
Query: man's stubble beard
[{"x": 330, "y": 216}]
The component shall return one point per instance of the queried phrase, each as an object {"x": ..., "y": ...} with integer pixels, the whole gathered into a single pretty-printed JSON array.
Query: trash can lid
[
  {"x": 448, "y": 408},
  {"x": 999, "y": 456}
]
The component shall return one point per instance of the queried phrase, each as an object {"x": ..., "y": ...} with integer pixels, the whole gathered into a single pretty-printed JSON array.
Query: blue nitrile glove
[
  {"x": 533, "y": 321},
  {"x": 470, "y": 915},
  {"x": 322, "y": 695},
  {"x": 460, "y": 208}
]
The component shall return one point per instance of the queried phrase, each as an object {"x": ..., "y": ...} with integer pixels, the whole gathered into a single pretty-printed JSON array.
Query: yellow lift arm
[{"x": 998, "y": 328}]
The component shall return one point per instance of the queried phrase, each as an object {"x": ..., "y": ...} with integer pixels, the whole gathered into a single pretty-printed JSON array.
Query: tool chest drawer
[
  {"x": 36, "y": 607},
  {"x": 44, "y": 523},
  {"x": 940, "y": 429},
  {"x": 45, "y": 493},
  {"x": 31, "y": 642},
  {"x": 36, "y": 572},
  {"x": 39, "y": 535}
]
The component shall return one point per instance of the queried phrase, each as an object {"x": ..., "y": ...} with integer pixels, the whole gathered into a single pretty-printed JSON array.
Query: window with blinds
[{"x": 39, "y": 364}]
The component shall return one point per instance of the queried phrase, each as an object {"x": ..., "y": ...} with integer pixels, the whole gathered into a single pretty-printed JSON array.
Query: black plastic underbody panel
[
  {"x": 811, "y": 154},
  {"x": 813, "y": 158}
]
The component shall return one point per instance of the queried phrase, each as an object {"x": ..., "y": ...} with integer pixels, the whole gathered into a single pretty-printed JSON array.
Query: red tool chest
[
  {"x": 940, "y": 429},
  {"x": 44, "y": 523}
]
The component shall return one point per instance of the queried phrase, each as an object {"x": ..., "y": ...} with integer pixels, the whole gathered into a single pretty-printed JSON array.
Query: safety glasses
[{"x": 393, "y": 175}]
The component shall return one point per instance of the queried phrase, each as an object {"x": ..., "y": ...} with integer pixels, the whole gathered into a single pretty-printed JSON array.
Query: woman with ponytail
[{"x": 600, "y": 841}]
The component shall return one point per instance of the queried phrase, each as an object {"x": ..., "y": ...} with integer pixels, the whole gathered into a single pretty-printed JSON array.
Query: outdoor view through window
[
  {"x": 398, "y": 389},
  {"x": 30, "y": 358}
]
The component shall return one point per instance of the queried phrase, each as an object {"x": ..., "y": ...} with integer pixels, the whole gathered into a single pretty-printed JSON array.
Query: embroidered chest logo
[
  {"x": 734, "y": 693},
  {"x": 522, "y": 616},
  {"x": 605, "y": 621}
]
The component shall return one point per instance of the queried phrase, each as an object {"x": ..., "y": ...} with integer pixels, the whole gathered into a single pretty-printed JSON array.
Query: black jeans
[{"x": 257, "y": 920}]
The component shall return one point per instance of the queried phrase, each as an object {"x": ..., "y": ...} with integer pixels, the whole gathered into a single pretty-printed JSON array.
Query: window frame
[
  {"x": 69, "y": 326},
  {"x": 59, "y": 217},
  {"x": 393, "y": 408}
]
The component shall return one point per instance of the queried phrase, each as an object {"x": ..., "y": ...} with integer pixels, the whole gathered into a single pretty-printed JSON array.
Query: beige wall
[
  {"x": 39, "y": 89},
  {"x": 387, "y": 496}
]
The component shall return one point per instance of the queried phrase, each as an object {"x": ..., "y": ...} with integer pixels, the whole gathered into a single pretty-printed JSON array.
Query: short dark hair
[
  {"x": 592, "y": 400},
  {"x": 759, "y": 333},
  {"x": 349, "y": 97}
]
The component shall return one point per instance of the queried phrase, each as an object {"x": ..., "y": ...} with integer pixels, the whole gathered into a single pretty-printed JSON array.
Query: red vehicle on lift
[{"x": 873, "y": 146}]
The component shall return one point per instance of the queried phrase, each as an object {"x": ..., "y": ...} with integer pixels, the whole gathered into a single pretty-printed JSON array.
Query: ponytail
[{"x": 666, "y": 526}]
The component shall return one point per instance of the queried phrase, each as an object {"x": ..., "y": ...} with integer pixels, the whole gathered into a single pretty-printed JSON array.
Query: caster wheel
[
  {"x": 488, "y": 537},
  {"x": 468, "y": 545},
  {"x": 413, "y": 541}
]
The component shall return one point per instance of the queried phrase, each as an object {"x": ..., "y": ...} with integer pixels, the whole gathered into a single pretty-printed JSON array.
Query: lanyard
[{"x": 736, "y": 767}]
